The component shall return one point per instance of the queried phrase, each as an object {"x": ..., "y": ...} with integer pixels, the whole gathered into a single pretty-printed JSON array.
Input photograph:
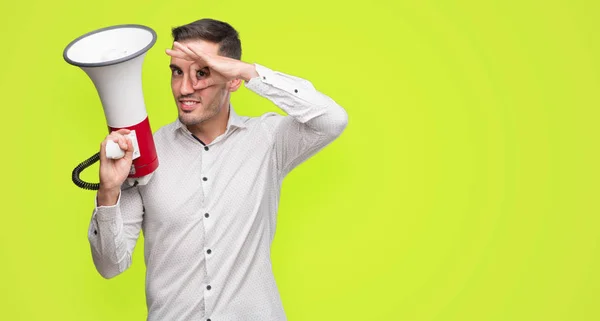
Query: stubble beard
[{"x": 191, "y": 119}]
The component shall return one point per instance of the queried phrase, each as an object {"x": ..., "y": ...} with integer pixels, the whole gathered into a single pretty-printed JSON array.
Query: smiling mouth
[{"x": 188, "y": 105}]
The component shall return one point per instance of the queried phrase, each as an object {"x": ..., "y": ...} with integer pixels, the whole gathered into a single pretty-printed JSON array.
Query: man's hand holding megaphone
[
  {"x": 113, "y": 172},
  {"x": 112, "y": 57}
]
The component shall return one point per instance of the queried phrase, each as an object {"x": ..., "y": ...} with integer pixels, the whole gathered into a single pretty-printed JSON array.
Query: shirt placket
[{"x": 208, "y": 217}]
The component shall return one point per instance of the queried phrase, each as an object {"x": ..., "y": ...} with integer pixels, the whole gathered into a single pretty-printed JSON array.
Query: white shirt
[{"x": 208, "y": 213}]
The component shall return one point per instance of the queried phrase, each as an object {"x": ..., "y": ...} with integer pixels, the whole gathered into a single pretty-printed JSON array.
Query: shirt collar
[{"x": 234, "y": 121}]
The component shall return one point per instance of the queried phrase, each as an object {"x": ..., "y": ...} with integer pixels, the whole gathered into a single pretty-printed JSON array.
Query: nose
[{"x": 186, "y": 86}]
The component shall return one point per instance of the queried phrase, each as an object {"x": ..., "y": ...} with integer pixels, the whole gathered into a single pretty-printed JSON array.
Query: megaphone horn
[{"x": 112, "y": 57}]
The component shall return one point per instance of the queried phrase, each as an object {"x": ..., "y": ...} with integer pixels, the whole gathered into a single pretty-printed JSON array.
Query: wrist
[
  {"x": 248, "y": 72},
  {"x": 107, "y": 196}
]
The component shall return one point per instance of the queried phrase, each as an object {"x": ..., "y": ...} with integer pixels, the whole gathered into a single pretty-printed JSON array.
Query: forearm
[
  {"x": 300, "y": 100},
  {"x": 107, "y": 243},
  {"x": 112, "y": 238}
]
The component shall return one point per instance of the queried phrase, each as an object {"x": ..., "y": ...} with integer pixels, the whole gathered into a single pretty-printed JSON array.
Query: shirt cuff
[
  {"x": 106, "y": 213},
  {"x": 295, "y": 89},
  {"x": 293, "y": 85}
]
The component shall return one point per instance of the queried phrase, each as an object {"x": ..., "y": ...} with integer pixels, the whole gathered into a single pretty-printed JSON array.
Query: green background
[{"x": 465, "y": 186}]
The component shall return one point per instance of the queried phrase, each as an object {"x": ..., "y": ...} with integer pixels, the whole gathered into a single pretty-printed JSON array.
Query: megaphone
[{"x": 112, "y": 57}]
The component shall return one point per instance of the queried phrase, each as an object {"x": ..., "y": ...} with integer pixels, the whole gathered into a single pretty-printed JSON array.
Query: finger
[
  {"x": 178, "y": 54},
  {"x": 129, "y": 149},
  {"x": 201, "y": 84},
  {"x": 117, "y": 133},
  {"x": 118, "y": 139},
  {"x": 114, "y": 137},
  {"x": 194, "y": 68},
  {"x": 181, "y": 49},
  {"x": 198, "y": 52},
  {"x": 123, "y": 142},
  {"x": 210, "y": 81},
  {"x": 194, "y": 54}
]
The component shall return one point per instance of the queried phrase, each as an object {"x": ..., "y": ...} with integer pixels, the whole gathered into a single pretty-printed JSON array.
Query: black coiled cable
[{"x": 85, "y": 164}]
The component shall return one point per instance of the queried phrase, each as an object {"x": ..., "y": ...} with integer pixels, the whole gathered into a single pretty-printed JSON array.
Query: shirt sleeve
[
  {"x": 313, "y": 119},
  {"x": 113, "y": 232}
]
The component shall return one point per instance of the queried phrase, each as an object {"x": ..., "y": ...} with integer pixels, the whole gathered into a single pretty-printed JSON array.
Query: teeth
[{"x": 189, "y": 103}]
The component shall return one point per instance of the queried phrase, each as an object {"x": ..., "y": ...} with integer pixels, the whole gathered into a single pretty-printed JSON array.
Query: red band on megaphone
[{"x": 148, "y": 160}]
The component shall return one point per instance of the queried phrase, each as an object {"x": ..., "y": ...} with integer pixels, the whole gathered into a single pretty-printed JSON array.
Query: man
[{"x": 208, "y": 213}]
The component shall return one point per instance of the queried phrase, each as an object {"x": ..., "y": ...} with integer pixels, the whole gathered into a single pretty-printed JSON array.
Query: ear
[{"x": 234, "y": 85}]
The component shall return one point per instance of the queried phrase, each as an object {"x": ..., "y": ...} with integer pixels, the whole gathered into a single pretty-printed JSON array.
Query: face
[{"x": 196, "y": 107}]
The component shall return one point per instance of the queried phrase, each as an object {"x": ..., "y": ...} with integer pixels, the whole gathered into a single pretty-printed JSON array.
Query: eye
[
  {"x": 202, "y": 73},
  {"x": 176, "y": 72}
]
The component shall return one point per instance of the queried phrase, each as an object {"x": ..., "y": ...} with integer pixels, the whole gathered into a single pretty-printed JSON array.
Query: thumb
[
  {"x": 201, "y": 84},
  {"x": 103, "y": 151}
]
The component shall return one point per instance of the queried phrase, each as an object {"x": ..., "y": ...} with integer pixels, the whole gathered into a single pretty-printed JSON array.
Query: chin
[
  {"x": 190, "y": 120},
  {"x": 194, "y": 118}
]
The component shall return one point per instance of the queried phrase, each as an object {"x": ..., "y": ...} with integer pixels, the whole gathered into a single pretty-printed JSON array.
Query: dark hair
[{"x": 211, "y": 30}]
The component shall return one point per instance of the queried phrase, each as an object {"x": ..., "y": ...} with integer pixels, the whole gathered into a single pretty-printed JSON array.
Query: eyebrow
[{"x": 173, "y": 66}]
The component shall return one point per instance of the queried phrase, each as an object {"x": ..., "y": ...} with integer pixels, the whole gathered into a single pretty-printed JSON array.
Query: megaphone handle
[{"x": 113, "y": 150}]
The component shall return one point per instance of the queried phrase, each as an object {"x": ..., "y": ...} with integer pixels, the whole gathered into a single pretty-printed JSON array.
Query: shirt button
[
  {"x": 95, "y": 232},
  {"x": 208, "y": 251},
  {"x": 204, "y": 179},
  {"x": 208, "y": 287},
  {"x": 295, "y": 90},
  {"x": 206, "y": 215},
  {"x": 205, "y": 147}
]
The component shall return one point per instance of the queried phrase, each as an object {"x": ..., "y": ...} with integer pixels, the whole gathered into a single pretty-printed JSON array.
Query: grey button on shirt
[{"x": 209, "y": 214}]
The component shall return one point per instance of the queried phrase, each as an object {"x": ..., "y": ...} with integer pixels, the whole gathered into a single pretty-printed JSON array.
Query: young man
[{"x": 208, "y": 213}]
